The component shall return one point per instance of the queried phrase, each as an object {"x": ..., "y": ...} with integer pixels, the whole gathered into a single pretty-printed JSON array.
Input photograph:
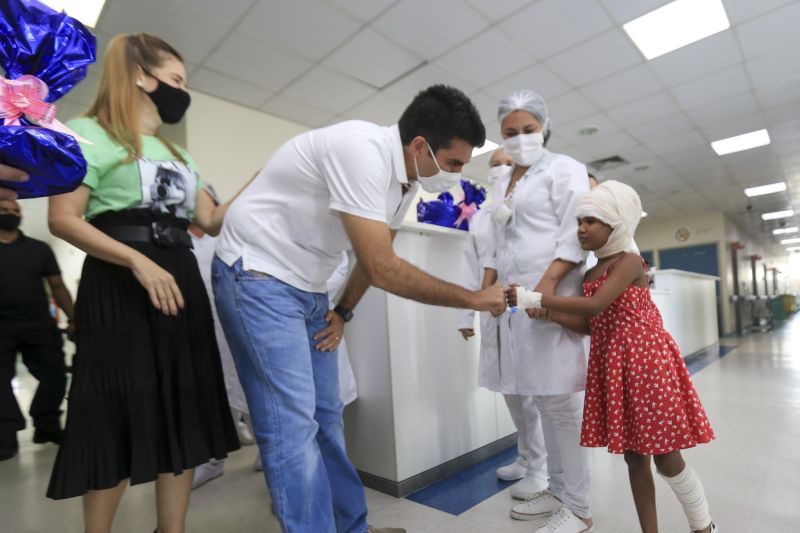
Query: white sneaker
[
  {"x": 564, "y": 521},
  {"x": 528, "y": 487},
  {"x": 540, "y": 505},
  {"x": 512, "y": 472},
  {"x": 257, "y": 465},
  {"x": 205, "y": 473},
  {"x": 713, "y": 528},
  {"x": 245, "y": 437}
]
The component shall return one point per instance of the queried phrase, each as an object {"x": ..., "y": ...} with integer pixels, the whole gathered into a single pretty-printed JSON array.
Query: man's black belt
[{"x": 162, "y": 235}]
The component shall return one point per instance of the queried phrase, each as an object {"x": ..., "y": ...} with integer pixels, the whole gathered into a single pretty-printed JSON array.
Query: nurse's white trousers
[{"x": 530, "y": 440}]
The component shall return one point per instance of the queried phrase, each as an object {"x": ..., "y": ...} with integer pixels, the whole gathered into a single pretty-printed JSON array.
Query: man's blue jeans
[{"x": 292, "y": 390}]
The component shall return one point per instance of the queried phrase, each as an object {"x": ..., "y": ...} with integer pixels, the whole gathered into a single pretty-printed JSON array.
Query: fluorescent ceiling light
[
  {"x": 793, "y": 249},
  {"x": 777, "y": 214},
  {"x": 745, "y": 141},
  {"x": 783, "y": 231},
  {"x": 766, "y": 189},
  {"x": 644, "y": 214},
  {"x": 488, "y": 146},
  {"x": 86, "y": 11},
  {"x": 676, "y": 25},
  {"x": 791, "y": 241}
]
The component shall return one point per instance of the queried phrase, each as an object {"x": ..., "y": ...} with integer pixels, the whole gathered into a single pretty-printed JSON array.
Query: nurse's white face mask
[
  {"x": 439, "y": 182},
  {"x": 499, "y": 172},
  {"x": 525, "y": 149}
]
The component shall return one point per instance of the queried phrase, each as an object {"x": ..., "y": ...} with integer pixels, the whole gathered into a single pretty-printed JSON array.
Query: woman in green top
[{"x": 147, "y": 400}]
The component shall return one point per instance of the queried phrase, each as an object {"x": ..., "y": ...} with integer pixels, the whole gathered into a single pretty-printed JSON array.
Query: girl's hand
[
  {"x": 159, "y": 284},
  {"x": 538, "y": 314},
  {"x": 511, "y": 295}
]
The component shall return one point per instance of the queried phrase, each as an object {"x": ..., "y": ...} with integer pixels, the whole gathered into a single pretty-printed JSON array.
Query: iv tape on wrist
[{"x": 528, "y": 299}]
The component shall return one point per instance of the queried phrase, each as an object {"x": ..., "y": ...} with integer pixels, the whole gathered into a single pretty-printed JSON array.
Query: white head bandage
[{"x": 619, "y": 206}]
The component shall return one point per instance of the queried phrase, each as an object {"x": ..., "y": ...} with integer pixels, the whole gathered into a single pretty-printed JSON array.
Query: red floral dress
[{"x": 638, "y": 392}]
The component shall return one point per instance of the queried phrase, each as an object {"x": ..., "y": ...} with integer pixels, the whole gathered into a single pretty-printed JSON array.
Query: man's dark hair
[{"x": 442, "y": 113}]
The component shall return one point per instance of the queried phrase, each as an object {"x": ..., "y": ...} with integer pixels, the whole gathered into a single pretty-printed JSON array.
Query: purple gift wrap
[
  {"x": 444, "y": 212},
  {"x": 43, "y": 55}
]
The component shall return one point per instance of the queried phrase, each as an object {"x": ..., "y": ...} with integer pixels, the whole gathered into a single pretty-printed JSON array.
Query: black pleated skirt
[{"x": 147, "y": 394}]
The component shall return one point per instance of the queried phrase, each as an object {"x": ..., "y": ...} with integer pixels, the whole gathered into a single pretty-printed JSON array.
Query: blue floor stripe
[{"x": 466, "y": 489}]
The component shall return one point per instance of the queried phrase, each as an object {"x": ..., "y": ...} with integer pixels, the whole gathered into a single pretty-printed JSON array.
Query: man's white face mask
[
  {"x": 499, "y": 172},
  {"x": 524, "y": 149},
  {"x": 439, "y": 182}
]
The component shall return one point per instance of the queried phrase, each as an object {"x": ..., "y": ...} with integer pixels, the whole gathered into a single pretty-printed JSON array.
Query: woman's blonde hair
[{"x": 116, "y": 105}]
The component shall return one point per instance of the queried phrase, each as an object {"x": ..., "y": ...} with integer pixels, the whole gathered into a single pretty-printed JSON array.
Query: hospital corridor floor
[{"x": 750, "y": 387}]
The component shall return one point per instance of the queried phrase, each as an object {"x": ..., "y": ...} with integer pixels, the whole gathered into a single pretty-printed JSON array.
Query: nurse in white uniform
[{"x": 539, "y": 362}]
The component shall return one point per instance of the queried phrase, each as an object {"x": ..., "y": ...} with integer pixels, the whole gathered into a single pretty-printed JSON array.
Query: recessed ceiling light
[
  {"x": 644, "y": 214},
  {"x": 488, "y": 146},
  {"x": 745, "y": 141},
  {"x": 676, "y": 25},
  {"x": 793, "y": 249},
  {"x": 783, "y": 231},
  {"x": 86, "y": 11},
  {"x": 766, "y": 189},
  {"x": 791, "y": 241},
  {"x": 777, "y": 214}
]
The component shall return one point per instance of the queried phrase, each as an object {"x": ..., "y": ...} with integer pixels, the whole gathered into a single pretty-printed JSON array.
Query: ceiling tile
[
  {"x": 487, "y": 107},
  {"x": 381, "y": 109},
  {"x": 194, "y": 35},
  {"x": 643, "y": 110},
  {"x": 741, "y": 10},
  {"x": 328, "y": 90},
  {"x": 478, "y": 62},
  {"x": 497, "y": 9},
  {"x": 568, "y": 108},
  {"x": 625, "y": 11},
  {"x": 551, "y": 26},
  {"x": 662, "y": 127},
  {"x": 775, "y": 67},
  {"x": 538, "y": 78},
  {"x": 736, "y": 126},
  {"x": 698, "y": 59},
  {"x": 571, "y": 133},
  {"x": 372, "y": 58},
  {"x": 776, "y": 30},
  {"x": 225, "y": 87},
  {"x": 428, "y": 28},
  {"x": 779, "y": 93},
  {"x": 407, "y": 88},
  {"x": 363, "y": 10},
  {"x": 253, "y": 61},
  {"x": 723, "y": 109},
  {"x": 226, "y": 12},
  {"x": 623, "y": 87},
  {"x": 636, "y": 154},
  {"x": 299, "y": 112},
  {"x": 674, "y": 143},
  {"x": 601, "y": 146},
  {"x": 597, "y": 58},
  {"x": 711, "y": 88},
  {"x": 290, "y": 25}
]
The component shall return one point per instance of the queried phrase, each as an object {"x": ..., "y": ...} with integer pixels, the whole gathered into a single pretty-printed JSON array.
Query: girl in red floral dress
[{"x": 639, "y": 398}]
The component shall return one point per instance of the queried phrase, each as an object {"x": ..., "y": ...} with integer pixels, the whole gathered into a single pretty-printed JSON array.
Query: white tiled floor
[{"x": 751, "y": 472}]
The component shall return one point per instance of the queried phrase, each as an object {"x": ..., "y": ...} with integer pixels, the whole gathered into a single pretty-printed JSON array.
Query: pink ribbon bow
[
  {"x": 24, "y": 97},
  {"x": 467, "y": 212}
]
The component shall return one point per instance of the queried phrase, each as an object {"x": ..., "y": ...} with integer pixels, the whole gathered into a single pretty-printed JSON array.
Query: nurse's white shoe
[
  {"x": 528, "y": 488},
  {"x": 206, "y": 472},
  {"x": 512, "y": 472},
  {"x": 542, "y": 504},
  {"x": 565, "y": 521}
]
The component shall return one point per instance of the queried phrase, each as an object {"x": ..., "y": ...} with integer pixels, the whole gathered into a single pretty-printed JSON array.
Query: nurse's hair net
[
  {"x": 619, "y": 206},
  {"x": 525, "y": 100}
]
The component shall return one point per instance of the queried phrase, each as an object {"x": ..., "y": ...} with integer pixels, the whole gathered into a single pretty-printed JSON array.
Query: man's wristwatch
[{"x": 345, "y": 313}]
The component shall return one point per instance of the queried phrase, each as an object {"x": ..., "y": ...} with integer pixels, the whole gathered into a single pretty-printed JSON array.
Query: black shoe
[
  {"x": 8, "y": 447},
  {"x": 40, "y": 436}
]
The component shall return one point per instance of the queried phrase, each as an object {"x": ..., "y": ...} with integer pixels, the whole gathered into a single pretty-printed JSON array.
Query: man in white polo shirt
[{"x": 325, "y": 191}]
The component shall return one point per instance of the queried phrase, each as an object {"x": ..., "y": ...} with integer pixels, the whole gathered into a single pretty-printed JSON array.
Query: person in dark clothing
[{"x": 27, "y": 328}]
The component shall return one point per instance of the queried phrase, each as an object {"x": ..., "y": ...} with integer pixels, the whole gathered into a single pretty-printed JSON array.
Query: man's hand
[
  {"x": 331, "y": 336},
  {"x": 467, "y": 333},
  {"x": 492, "y": 299},
  {"x": 8, "y": 173}
]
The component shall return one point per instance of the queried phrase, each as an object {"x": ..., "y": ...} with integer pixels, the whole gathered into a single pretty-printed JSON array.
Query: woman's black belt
[{"x": 160, "y": 234}]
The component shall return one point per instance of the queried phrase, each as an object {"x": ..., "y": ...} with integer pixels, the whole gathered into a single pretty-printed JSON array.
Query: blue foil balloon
[
  {"x": 57, "y": 49},
  {"x": 445, "y": 212}
]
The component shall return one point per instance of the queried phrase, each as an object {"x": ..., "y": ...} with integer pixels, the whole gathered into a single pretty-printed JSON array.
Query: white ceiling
[{"x": 321, "y": 61}]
